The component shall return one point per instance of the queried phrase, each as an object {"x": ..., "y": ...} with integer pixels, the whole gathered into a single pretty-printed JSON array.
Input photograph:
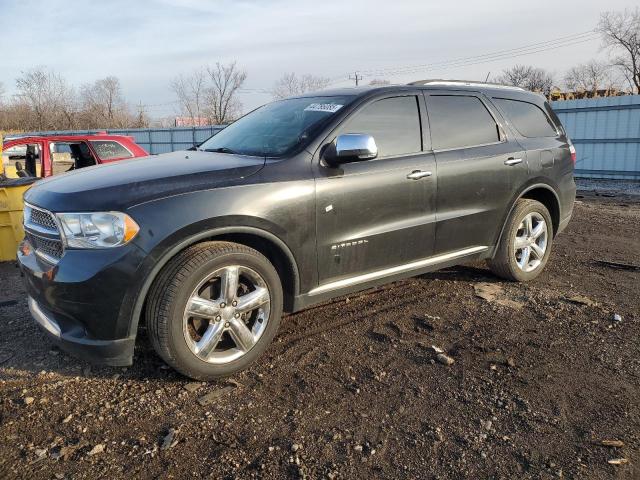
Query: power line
[
  {"x": 157, "y": 105},
  {"x": 590, "y": 35},
  {"x": 493, "y": 59},
  {"x": 529, "y": 49},
  {"x": 254, "y": 90}
]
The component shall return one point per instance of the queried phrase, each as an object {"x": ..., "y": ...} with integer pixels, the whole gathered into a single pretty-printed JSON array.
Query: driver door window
[
  {"x": 394, "y": 123},
  {"x": 22, "y": 160}
]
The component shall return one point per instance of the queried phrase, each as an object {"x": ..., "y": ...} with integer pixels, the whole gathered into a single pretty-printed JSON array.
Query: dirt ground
[{"x": 543, "y": 375}]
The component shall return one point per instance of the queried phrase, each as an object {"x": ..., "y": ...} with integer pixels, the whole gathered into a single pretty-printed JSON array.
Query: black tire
[
  {"x": 172, "y": 289},
  {"x": 504, "y": 263}
]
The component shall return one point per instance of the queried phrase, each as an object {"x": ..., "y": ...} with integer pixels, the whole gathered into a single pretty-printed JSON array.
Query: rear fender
[{"x": 532, "y": 185}]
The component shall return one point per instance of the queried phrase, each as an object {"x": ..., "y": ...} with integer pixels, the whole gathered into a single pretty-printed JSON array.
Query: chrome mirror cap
[{"x": 355, "y": 147}]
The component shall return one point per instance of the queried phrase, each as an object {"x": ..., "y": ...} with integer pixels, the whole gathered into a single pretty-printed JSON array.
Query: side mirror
[
  {"x": 19, "y": 167},
  {"x": 351, "y": 147}
]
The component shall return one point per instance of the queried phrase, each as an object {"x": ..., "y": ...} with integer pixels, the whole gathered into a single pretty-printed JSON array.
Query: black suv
[{"x": 297, "y": 202}]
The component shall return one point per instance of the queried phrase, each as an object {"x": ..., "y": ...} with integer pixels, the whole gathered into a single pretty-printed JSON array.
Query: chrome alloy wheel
[
  {"x": 530, "y": 243},
  {"x": 226, "y": 314}
]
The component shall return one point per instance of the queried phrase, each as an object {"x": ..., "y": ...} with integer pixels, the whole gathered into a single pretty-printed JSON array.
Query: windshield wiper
[{"x": 220, "y": 150}]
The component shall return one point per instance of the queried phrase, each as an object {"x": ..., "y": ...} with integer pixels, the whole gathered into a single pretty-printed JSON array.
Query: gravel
[
  {"x": 608, "y": 187},
  {"x": 548, "y": 389}
]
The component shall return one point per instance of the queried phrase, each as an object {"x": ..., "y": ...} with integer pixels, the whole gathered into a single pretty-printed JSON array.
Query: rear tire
[
  {"x": 525, "y": 244},
  {"x": 214, "y": 309}
]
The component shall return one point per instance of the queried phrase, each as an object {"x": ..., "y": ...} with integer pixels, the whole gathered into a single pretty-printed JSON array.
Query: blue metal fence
[
  {"x": 605, "y": 131},
  {"x": 606, "y": 134}
]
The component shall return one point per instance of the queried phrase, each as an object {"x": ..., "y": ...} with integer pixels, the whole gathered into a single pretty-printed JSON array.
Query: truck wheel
[
  {"x": 213, "y": 309},
  {"x": 525, "y": 244}
]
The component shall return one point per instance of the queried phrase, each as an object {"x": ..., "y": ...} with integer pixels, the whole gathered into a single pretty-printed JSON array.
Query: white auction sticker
[{"x": 323, "y": 107}]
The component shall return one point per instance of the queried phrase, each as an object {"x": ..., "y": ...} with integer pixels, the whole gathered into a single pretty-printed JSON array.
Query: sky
[{"x": 147, "y": 43}]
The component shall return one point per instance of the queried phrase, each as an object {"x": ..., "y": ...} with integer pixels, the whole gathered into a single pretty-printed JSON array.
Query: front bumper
[
  {"x": 116, "y": 353},
  {"x": 83, "y": 302}
]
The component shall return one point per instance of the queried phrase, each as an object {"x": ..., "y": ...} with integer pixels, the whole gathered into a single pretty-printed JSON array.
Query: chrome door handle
[
  {"x": 512, "y": 161},
  {"x": 418, "y": 174}
]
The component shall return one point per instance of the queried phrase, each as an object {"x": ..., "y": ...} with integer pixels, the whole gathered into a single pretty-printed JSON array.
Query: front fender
[
  {"x": 285, "y": 216},
  {"x": 156, "y": 263}
]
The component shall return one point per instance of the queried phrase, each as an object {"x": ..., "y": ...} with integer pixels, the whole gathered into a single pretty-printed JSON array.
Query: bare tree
[
  {"x": 589, "y": 77},
  {"x": 3, "y": 110},
  {"x": 191, "y": 91},
  {"x": 621, "y": 34},
  {"x": 223, "y": 105},
  {"x": 48, "y": 97},
  {"x": 16, "y": 115},
  {"x": 380, "y": 82},
  {"x": 531, "y": 78},
  {"x": 45, "y": 101},
  {"x": 68, "y": 111},
  {"x": 290, "y": 85},
  {"x": 103, "y": 105}
]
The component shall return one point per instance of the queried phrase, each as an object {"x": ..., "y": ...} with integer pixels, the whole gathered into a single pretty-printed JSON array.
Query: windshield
[{"x": 278, "y": 128}]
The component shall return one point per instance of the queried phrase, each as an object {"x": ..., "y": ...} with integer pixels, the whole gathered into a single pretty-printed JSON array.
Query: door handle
[
  {"x": 512, "y": 161},
  {"x": 418, "y": 174}
]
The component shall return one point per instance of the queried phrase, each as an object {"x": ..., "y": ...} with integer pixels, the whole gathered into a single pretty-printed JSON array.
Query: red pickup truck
[{"x": 51, "y": 155}]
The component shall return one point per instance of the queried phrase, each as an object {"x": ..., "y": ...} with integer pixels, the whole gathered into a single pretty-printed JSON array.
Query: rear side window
[
  {"x": 394, "y": 124},
  {"x": 529, "y": 119},
  {"x": 458, "y": 121},
  {"x": 110, "y": 150}
]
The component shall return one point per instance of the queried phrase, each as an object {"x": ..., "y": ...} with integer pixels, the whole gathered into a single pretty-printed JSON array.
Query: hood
[{"x": 122, "y": 184}]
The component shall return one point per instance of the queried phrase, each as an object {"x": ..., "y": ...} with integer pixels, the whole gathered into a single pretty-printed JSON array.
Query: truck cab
[{"x": 44, "y": 156}]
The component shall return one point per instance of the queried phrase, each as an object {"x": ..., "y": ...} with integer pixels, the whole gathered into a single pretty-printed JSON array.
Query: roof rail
[{"x": 465, "y": 83}]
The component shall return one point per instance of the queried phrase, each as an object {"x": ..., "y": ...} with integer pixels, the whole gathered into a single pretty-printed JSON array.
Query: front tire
[
  {"x": 214, "y": 308},
  {"x": 525, "y": 244}
]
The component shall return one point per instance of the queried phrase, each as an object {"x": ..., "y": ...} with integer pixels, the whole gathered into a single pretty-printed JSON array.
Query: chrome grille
[
  {"x": 50, "y": 249},
  {"x": 42, "y": 218},
  {"x": 41, "y": 230}
]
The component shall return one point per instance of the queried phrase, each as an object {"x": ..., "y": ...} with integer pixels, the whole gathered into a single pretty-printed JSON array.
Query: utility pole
[
  {"x": 140, "y": 120},
  {"x": 356, "y": 77}
]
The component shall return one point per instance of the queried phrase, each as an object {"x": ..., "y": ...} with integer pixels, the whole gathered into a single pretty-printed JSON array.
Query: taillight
[{"x": 572, "y": 149}]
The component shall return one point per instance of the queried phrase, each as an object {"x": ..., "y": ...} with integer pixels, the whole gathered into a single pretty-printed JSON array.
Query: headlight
[{"x": 97, "y": 229}]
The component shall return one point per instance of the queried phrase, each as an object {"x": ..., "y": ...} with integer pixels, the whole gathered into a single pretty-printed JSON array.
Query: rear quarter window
[
  {"x": 459, "y": 121},
  {"x": 110, "y": 150},
  {"x": 529, "y": 119}
]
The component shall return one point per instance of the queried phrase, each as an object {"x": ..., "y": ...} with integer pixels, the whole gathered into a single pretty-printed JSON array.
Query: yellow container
[{"x": 11, "y": 207}]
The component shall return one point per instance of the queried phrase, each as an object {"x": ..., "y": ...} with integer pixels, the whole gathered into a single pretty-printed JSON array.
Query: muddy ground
[{"x": 543, "y": 374}]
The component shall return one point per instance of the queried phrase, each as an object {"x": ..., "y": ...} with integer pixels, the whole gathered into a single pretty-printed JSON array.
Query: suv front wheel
[
  {"x": 214, "y": 309},
  {"x": 525, "y": 244}
]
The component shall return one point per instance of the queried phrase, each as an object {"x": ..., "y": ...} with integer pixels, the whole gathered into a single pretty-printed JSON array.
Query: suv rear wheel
[
  {"x": 214, "y": 309},
  {"x": 525, "y": 244}
]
